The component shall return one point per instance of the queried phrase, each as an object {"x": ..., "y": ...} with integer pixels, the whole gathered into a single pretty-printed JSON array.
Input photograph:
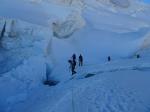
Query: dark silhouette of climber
[
  {"x": 80, "y": 60},
  {"x": 74, "y": 56},
  {"x": 137, "y": 56},
  {"x": 109, "y": 58},
  {"x": 72, "y": 66}
]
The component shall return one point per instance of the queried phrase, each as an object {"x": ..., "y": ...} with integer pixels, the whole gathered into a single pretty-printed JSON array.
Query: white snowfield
[{"x": 40, "y": 37}]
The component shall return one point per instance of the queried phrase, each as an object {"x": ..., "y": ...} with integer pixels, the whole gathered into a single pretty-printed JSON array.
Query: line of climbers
[{"x": 73, "y": 62}]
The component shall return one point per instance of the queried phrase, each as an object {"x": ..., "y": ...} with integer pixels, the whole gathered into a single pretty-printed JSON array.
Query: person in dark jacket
[
  {"x": 80, "y": 60},
  {"x": 109, "y": 58},
  {"x": 74, "y": 56},
  {"x": 74, "y": 60},
  {"x": 137, "y": 56},
  {"x": 72, "y": 66},
  {"x": 74, "y": 63}
]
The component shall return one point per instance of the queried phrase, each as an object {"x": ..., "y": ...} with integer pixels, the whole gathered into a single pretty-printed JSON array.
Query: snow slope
[
  {"x": 117, "y": 86},
  {"x": 29, "y": 51}
]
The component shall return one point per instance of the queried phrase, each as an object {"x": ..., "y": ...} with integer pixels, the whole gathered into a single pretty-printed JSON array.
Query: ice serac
[{"x": 64, "y": 29}]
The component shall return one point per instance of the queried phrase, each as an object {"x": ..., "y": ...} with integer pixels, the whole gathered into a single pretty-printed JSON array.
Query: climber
[
  {"x": 74, "y": 56},
  {"x": 72, "y": 66},
  {"x": 137, "y": 56},
  {"x": 80, "y": 60},
  {"x": 109, "y": 58}
]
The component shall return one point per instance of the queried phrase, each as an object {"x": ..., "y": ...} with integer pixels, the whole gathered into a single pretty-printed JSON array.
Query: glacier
[{"x": 41, "y": 35}]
